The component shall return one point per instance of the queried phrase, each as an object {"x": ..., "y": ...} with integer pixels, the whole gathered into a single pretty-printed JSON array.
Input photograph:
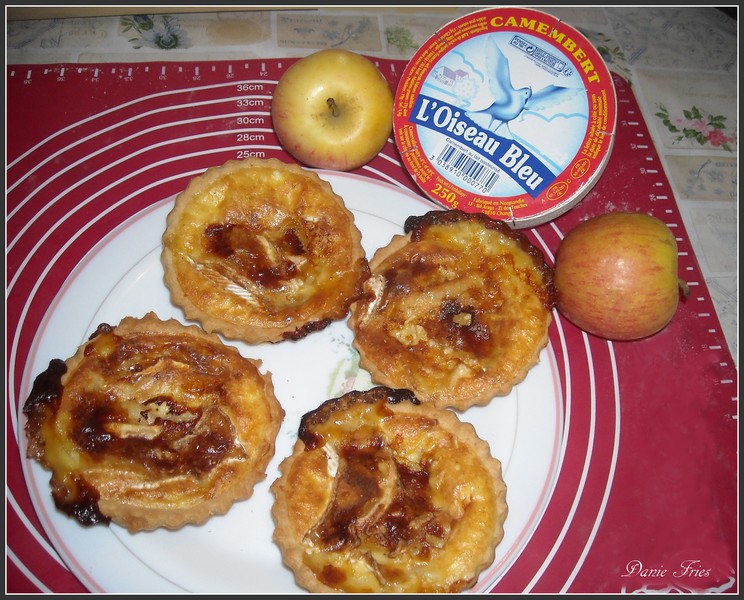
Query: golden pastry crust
[
  {"x": 456, "y": 310},
  {"x": 383, "y": 493},
  {"x": 262, "y": 251},
  {"x": 152, "y": 424}
]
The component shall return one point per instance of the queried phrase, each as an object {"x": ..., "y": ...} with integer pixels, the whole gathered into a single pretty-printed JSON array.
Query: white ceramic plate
[{"x": 234, "y": 553}]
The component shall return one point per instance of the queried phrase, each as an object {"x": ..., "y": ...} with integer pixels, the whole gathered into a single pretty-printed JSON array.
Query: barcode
[{"x": 467, "y": 167}]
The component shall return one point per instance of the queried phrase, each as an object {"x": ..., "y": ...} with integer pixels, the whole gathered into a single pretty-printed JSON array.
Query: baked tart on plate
[
  {"x": 262, "y": 251},
  {"x": 152, "y": 424},
  {"x": 383, "y": 493},
  {"x": 457, "y": 309}
]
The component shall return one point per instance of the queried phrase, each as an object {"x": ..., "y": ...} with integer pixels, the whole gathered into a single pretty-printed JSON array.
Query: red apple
[
  {"x": 333, "y": 109},
  {"x": 616, "y": 275}
]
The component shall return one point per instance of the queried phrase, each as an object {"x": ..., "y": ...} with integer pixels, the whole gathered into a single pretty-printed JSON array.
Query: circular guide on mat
[{"x": 508, "y": 112}]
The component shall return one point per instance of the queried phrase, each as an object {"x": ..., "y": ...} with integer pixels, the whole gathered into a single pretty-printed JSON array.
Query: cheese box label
[{"x": 506, "y": 111}]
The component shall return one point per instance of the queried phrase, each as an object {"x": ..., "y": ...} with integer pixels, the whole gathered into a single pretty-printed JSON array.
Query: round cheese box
[{"x": 508, "y": 112}]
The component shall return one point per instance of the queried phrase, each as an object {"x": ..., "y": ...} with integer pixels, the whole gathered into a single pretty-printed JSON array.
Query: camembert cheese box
[{"x": 506, "y": 111}]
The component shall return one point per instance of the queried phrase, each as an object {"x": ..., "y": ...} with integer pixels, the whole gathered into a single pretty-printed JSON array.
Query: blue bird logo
[{"x": 510, "y": 102}]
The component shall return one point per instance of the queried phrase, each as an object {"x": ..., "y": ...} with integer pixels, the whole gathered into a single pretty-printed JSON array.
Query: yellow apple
[
  {"x": 616, "y": 275},
  {"x": 333, "y": 109}
]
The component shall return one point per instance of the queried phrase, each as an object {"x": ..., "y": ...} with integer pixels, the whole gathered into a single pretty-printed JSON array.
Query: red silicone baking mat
[{"x": 644, "y": 496}]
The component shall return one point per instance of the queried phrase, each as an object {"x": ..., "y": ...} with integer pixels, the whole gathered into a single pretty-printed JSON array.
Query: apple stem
[
  {"x": 684, "y": 287},
  {"x": 333, "y": 106}
]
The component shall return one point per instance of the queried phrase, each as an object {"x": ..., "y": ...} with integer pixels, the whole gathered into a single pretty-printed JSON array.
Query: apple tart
[
  {"x": 152, "y": 424},
  {"x": 383, "y": 493},
  {"x": 262, "y": 251},
  {"x": 457, "y": 309}
]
